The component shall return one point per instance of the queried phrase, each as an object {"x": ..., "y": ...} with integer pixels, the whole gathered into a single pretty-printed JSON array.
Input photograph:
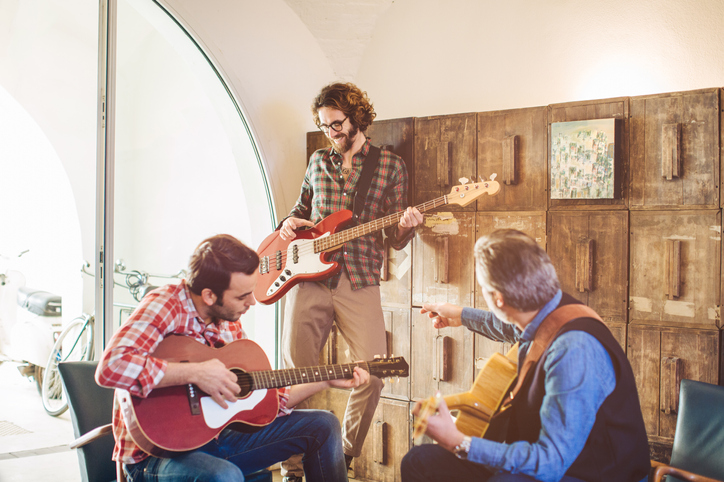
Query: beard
[
  {"x": 220, "y": 312},
  {"x": 343, "y": 142}
]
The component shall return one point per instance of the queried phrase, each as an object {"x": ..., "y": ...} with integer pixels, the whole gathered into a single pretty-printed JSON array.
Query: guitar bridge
[{"x": 194, "y": 402}]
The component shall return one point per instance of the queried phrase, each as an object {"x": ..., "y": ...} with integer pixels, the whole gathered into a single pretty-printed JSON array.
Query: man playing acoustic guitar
[
  {"x": 206, "y": 308},
  {"x": 575, "y": 413},
  {"x": 350, "y": 298}
]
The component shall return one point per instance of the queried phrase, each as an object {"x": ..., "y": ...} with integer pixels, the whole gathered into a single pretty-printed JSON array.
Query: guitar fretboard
[
  {"x": 336, "y": 240},
  {"x": 296, "y": 376}
]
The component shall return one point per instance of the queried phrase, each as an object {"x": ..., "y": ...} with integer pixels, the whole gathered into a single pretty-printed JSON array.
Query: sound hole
[{"x": 245, "y": 382}]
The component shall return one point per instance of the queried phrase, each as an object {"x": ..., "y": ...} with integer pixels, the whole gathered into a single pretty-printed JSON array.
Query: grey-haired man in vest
[{"x": 575, "y": 413}]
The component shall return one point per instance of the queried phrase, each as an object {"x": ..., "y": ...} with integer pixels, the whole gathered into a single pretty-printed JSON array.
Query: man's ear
[
  {"x": 208, "y": 296},
  {"x": 498, "y": 297}
]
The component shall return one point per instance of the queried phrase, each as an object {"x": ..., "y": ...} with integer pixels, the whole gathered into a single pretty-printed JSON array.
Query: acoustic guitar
[
  {"x": 182, "y": 417},
  {"x": 476, "y": 408},
  {"x": 283, "y": 264}
]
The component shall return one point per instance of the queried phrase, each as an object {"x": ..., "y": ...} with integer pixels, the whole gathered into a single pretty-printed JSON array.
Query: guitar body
[
  {"x": 280, "y": 269},
  {"x": 479, "y": 408},
  {"x": 181, "y": 418},
  {"x": 164, "y": 421}
]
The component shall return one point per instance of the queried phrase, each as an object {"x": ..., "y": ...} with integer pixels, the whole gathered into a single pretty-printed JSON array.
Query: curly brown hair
[{"x": 349, "y": 99}]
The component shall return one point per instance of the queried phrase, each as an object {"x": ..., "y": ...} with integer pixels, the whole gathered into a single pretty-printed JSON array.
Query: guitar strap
[
  {"x": 363, "y": 185},
  {"x": 545, "y": 334}
]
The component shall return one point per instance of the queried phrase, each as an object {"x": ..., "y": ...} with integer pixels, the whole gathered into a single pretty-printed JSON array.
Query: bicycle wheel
[{"x": 75, "y": 343}]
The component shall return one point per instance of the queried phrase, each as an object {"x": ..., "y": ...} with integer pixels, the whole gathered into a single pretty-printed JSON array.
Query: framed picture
[{"x": 583, "y": 163}]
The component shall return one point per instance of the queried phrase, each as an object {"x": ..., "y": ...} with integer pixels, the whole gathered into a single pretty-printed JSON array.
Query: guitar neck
[
  {"x": 296, "y": 376},
  {"x": 336, "y": 240}
]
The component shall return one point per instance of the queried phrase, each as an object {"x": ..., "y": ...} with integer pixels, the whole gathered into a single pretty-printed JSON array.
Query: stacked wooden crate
[{"x": 648, "y": 260}]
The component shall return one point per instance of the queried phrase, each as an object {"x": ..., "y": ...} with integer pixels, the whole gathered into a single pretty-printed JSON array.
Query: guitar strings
[{"x": 294, "y": 376}]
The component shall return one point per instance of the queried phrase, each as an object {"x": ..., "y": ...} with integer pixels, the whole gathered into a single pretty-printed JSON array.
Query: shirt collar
[
  {"x": 357, "y": 159},
  {"x": 185, "y": 297},
  {"x": 529, "y": 332}
]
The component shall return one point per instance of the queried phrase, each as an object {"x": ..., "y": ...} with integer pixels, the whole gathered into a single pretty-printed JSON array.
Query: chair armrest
[
  {"x": 88, "y": 437},
  {"x": 661, "y": 470}
]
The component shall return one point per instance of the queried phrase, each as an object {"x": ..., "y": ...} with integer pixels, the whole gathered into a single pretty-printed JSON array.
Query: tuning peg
[
  {"x": 463, "y": 180},
  {"x": 397, "y": 379},
  {"x": 376, "y": 357},
  {"x": 493, "y": 176}
]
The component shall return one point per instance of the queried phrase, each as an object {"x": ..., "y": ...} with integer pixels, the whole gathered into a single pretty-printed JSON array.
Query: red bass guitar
[
  {"x": 283, "y": 264},
  {"x": 180, "y": 418}
]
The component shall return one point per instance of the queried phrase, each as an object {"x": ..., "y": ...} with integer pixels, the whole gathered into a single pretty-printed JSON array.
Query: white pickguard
[
  {"x": 215, "y": 416},
  {"x": 308, "y": 262}
]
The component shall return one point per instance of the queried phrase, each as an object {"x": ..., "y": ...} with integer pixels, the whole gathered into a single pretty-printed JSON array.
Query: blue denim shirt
[{"x": 579, "y": 377}]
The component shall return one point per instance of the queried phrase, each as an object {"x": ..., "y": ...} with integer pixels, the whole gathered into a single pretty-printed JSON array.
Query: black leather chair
[
  {"x": 91, "y": 411},
  {"x": 698, "y": 451}
]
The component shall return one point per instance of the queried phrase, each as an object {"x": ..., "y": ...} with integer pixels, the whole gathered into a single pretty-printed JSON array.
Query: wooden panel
[
  {"x": 445, "y": 150},
  {"x": 619, "y": 332},
  {"x": 387, "y": 442},
  {"x": 699, "y": 233},
  {"x": 396, "y": 286},
  {"x": 397, "y": 135},
  {"x": 696, "y": 350},
  {"x": 333, "y": 399},
  {"x": 652, "y": 351},
  {"x": 531, "y": 223},
  {"x": 428, "y": 359},
  {"x": 441, "y": 233},
  {"x": 316, "y": 140},
  {"x": 524, "y": 132},
  {"x": 569, "y": 234},
  {"x": 655, "y": 120},
  {"x": 644, "y": 352},
  {"x": 721, "y": 144},
  {"x": 589, "y": 110},
  {"x": 397, "y": 326}
]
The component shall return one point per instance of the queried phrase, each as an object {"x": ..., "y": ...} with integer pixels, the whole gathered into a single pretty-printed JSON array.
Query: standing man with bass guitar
[
  {"x": 206, "y": 308},
  {"x": 351, "y": 298},
  {"x": 573, "y": 414}
]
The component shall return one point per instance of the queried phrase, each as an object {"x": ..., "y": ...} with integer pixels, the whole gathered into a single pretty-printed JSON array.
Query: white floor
[{"x": 33, "y": 445}]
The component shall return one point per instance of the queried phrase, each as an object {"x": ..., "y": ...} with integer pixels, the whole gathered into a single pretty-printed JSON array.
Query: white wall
[
  {"x": 430, "y": 57},
  {"x": 275, "y": 68}
]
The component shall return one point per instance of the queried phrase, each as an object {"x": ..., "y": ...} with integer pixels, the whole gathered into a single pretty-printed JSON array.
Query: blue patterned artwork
[{"x": 582, "y": 159}]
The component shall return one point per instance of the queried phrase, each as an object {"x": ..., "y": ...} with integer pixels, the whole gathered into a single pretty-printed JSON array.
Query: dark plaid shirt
[{"x": 324, "y": 192}]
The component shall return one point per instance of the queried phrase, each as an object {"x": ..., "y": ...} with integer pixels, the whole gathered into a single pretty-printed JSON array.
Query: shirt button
[{"x": 344, "y": 194}]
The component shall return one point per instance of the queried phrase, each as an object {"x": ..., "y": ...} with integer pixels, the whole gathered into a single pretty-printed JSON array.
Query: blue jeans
[
  {"x": 314, "y": 433},
  {"x": 431, "y": 462}
]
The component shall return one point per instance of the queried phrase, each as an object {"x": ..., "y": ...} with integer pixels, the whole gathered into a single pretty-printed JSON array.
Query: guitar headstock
[
  {"x": 467, "y": 192},
  {"x": 389, "y": 367}
]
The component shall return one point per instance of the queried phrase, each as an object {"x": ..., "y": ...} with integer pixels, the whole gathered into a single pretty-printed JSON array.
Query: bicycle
[
  {"x": 77, "y": 337},
  {"x": 76, "y": 341}
]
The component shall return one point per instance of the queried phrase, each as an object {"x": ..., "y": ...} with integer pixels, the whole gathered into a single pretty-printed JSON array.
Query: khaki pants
[{"x": 311, "y": 309}]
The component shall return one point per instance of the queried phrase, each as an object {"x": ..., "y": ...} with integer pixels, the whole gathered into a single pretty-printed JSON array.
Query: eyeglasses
[{"x": 336, "y": 126}]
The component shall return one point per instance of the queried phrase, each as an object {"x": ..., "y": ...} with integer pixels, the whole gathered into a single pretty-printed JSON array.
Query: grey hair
[{"x": 512, "y": 263}]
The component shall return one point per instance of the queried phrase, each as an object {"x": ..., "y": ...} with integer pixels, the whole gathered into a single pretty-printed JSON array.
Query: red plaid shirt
[
  {"x": 126, "y": 363},
  {"x": 324, "y": 192}
]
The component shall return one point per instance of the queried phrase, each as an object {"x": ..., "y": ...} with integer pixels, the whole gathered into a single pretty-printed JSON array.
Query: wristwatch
[{"x": 461, "y": 451}]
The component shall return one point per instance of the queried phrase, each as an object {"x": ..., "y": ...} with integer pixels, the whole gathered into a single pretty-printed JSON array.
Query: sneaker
[{"x": 292, "y": 478}]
